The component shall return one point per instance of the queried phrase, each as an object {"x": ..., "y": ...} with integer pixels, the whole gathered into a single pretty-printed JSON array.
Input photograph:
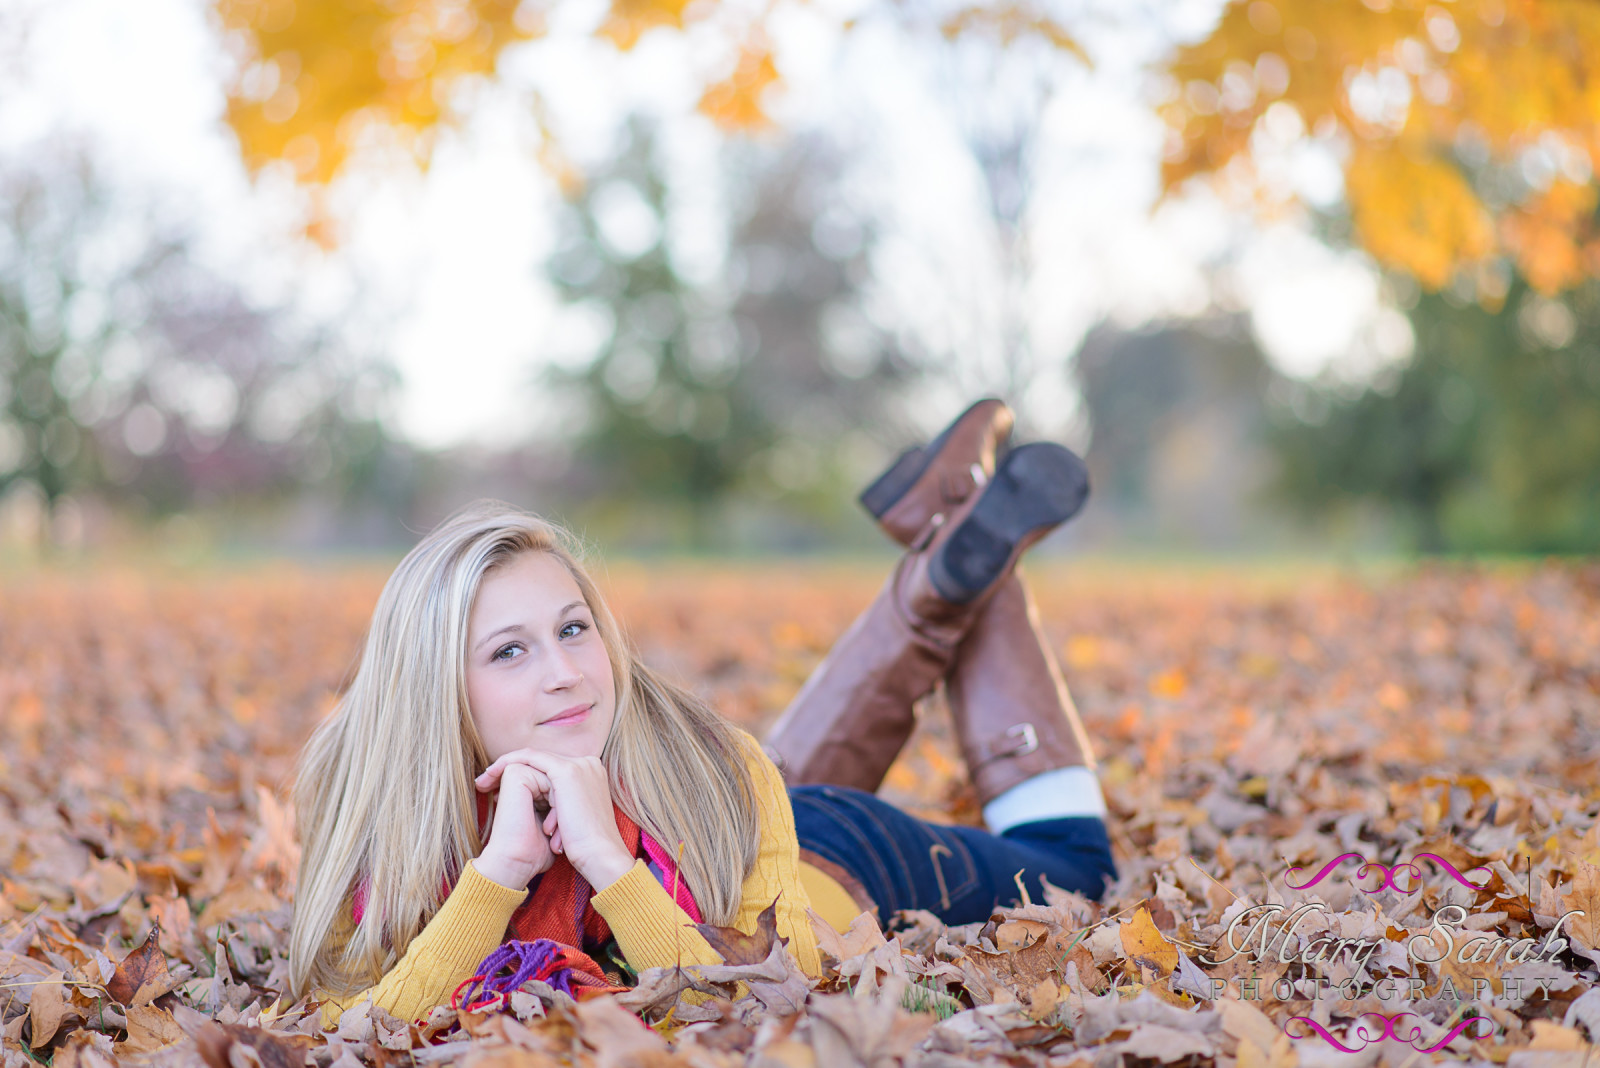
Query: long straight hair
[{"x": 383, "y": 791}]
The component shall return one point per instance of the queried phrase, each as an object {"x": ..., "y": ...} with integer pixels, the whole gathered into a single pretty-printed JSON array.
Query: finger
[
  {"x": 496, "y": 768},
  {"x": 550, "y": 823},
  {"x": 536, "y": 759},
  {"x": 497, "y": 774},
  {"x": 489, "y": 778},
  {"x": 535, "y": 781},
  {"x": 555, "y": 843}
]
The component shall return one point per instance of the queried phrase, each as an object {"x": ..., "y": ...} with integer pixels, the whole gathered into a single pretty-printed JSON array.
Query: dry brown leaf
[
  {"x": 993, "y": 977},
  {"x": 142, "y": 975},
  {"x": 865, "y": 1031},
  {"x": 658, "y": 990},
  {"x": 85, "y": 1049},
  {"x": 1585, "y": 896},
  {"x": 616, "y": 1035},
  {"x": 736, "y": 947},
  {"x": 48, "y": 1005},
  {"x": 1547, "y": 1034},
  {"x": 1158, "y": 1042},
  {"x": 862, "y": 935},
  {"x": 149, "y": 1028},
  {"x": 239, "y": 899},
  {"x": 1043, "y": 999},
  {"x": 777, "y": 982},
  {"x": 231, "y": 1046},
  {"x": 1016, "y": 934},
  {"x": 105, "y": 885},
  {"x": 482, "y": 1056}
]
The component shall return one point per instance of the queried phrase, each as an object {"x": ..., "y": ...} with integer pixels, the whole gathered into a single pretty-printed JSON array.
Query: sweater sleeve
[
  {"x": 654, "y": 932},
  {"x": 465, "y": 930}
]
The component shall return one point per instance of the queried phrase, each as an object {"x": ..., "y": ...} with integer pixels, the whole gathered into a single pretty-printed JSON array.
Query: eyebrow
[{"x": 518, "y": 628}]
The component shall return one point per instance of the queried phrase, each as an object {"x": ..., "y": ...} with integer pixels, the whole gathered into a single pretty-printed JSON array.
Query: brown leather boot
[
  {"x": 851, "y": 718},
  {"x": 1013, "y": 715},
  {"x": 937, "y": 477}
]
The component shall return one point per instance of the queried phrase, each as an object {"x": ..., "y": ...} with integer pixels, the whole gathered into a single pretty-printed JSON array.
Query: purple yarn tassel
[{"x": 508, "y": 967}]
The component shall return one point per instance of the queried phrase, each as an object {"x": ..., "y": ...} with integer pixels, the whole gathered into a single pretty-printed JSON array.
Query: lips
[{"x": 575, "y": 714}]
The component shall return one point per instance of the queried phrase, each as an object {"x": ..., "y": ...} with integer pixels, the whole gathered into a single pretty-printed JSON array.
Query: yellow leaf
[{"x": 1146, "y": 945}]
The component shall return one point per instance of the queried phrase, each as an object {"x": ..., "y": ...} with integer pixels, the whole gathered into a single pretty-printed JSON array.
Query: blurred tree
[
  {"x": 678, "y": 409},
  {"x": 1488, "y": 439},
  {"x": 1468, "y": 132},
  {"x": 1468, "y": 139},
  {"x": 1178, "y": 454},
  {"x": 131, "y": 370},
  {"x": 996, "y": 75}
]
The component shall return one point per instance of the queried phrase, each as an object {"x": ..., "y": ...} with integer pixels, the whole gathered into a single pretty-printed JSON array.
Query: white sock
[{"x": 1047, "y": 796}]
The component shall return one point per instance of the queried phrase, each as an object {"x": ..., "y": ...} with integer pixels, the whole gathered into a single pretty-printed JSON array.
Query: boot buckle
[
  {"x": 1029, "y": 739},
  {"x": 1023, "y": 740}
]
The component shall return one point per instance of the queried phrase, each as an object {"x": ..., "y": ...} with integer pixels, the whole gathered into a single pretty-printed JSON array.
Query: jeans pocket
[{"x": 955, "y": 872}]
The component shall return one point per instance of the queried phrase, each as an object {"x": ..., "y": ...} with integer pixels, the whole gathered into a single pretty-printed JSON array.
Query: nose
[{"x": 564, "y": 673}]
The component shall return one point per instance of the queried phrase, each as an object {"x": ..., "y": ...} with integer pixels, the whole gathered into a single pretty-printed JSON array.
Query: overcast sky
[{"x": 452, "y": 258}]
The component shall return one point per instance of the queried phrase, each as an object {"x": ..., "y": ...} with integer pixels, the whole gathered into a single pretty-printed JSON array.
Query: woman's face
[{"x": 538, "y": 675}]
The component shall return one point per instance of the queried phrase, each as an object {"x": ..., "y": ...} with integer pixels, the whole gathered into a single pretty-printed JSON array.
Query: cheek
[
  {"x": 492, "y": 710},
  {"x": 598, "y": 667}
]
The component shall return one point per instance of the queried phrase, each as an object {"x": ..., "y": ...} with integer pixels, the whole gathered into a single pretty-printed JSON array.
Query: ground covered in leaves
[{"x": 1254, "y": 728}]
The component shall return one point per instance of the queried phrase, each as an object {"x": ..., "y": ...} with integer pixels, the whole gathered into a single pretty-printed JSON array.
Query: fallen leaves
[{"x": 145, "y": 881}]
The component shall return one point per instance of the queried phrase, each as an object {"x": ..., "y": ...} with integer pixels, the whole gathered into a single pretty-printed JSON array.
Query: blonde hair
[{"x": 383, "y": 791}]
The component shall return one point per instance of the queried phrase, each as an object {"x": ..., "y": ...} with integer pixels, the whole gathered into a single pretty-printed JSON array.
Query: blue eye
[
  {"x": 500, "y": 655},
  {"x": 582, "y": 626}
]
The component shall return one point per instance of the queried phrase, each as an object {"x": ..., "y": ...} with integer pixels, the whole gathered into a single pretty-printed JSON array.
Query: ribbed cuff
[
  {"x": 650, "y": 928},
  {"x": 474, "y": 915}
]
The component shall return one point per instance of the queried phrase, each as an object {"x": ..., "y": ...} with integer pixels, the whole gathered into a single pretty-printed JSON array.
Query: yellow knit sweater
[{"x": 650, "y": 928}]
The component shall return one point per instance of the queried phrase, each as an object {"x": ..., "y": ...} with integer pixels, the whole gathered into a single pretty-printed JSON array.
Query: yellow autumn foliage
[
  {"x": 325, "y": 72},
  {"x": 321, "y": 77},
  {"x": 1412, "y": 88}
]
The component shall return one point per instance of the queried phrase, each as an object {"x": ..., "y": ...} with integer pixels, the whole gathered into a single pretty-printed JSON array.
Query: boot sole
[
  {"x": 1038, "y": 486},
  {"x": 896, "y": 482}
]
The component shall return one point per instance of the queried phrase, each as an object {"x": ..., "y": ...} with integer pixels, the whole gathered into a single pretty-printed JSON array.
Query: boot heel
[{"x": 1036, "y": 488}]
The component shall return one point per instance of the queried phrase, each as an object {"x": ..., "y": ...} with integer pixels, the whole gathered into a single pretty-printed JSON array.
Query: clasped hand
[{"x": 580, "y": 822}]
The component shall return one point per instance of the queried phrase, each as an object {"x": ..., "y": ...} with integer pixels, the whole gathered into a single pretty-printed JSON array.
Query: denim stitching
[
  {"x": 959, "y": 848},
  {"x": 908, "y": 885},
  {"x": 849, "y": 830}
]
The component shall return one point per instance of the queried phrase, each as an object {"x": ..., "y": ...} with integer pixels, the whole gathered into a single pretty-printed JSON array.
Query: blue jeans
[{"x": 957, "y": 873}]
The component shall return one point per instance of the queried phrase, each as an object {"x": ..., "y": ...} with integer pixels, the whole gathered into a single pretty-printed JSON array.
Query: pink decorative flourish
[
  {"x": 1389, "y": 873},
  {"x": 1363, "y": 1033}
]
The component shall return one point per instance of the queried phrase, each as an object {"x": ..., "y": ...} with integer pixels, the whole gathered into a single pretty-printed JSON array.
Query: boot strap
[{"x": 1018, "y": 740}]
